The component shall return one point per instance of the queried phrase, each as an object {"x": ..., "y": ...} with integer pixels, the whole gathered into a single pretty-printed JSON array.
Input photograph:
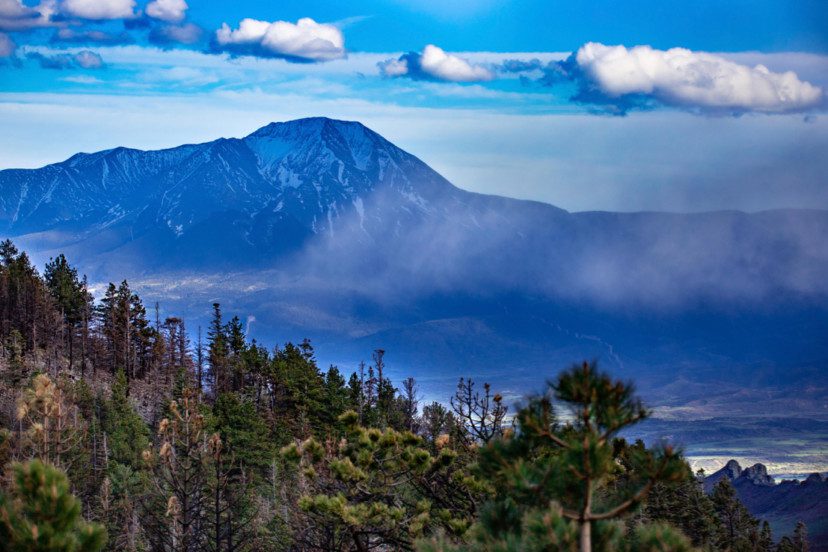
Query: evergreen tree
[
  {"x": 682, "y": 504},
  {"x": 71, "y": 297},
  {"x": 551, "y": 483},
  {"x": 127, "y": 434},
  {"x": 237, "y": 346},
  {"x": 382, "y": 488},
  {"x": 800, "y": 537},
  {"x": 217, "y": 353},
  {"x": 337, "y": 397},
  {"x": 39, "y": 514},
  {"x": 54, "y": 427},
  {"x": 243, "y": 432},
  {"x": 765, "y": 543},
  {"x": 174, "y": 509},
  {"x": 737, "y": 525}
]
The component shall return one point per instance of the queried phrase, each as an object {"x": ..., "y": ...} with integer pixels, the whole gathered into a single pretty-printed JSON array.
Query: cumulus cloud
[
  {"x": 7, "y": 46},
  {"x": 16, "y": 16},
  {"x": 435, "y": 64},
  {"x": 99, "y": 10},
  {"x": 70, "y": 36},
  {"x": 85, "y": 59},
  {"x": 306, "y": 40},
  {"x": 623, "y": 78},
  {"x": 171, "y": 11},
  {"x": 165, "y": 35}
]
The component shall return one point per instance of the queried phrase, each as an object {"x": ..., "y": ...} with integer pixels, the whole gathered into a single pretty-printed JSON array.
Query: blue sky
[{"x": 668, "y": 105}]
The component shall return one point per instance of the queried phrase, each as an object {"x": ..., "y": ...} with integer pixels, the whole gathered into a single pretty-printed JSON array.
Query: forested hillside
[{"x": 126, "y": 430}]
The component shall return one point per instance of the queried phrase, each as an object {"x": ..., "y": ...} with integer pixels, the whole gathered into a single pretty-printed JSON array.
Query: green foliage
[
  {"x": 243, "y": 431},
  {"x": 574, "y": 470},
  {"x": 684, "y": 505},
  {"x": 40, "y": 514},
  {"x": 362, "y": 470},
  {"x": 127, "y": 434},
  {"x": 14, "y": 355},
  {"x": 738, "y": 528},
  {"x": 383, "y": 487}
]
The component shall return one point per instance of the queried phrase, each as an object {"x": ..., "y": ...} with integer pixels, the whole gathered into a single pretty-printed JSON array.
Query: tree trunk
[{"x": 586, "y": 536}]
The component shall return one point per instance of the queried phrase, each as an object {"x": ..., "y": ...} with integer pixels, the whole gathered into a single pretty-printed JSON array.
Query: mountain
[
  {"x": 261, "y": 195},
  {"x": 324, "y": 229},
  {"x": 780, "y": 504}
]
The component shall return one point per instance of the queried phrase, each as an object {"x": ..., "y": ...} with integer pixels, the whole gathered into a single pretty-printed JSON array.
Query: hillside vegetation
[{"x": 119, "y": 433}]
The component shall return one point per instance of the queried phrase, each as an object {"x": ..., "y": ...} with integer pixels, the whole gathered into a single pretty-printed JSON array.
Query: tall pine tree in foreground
[{"x": 550, "y": 482}]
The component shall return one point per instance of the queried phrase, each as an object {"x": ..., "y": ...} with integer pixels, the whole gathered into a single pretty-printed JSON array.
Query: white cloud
[
  {"x": 16, "y": 16},
  {"x": 88, "y": 60},
  {"x": 438, "y": 63},
  {"x": 684, "y": 78},
  {"x": 305, "y": 40},
  {"x": 394, "y": 67},
  {"x": 435, "y": 63},
  {"x": 99, "y": 9},
  {"x": 171, "y": 11},
  {"x": 7, "y": 46}
]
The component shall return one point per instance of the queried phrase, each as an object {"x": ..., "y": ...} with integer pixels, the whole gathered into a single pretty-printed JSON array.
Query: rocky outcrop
[
  {"x": 783, "y": 504},
  {"x": 758, "y": 475}
]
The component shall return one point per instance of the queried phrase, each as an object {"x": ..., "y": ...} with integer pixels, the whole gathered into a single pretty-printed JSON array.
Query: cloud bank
[
  {"x": 621, "y": 79},
  {"x": 306, "y": 40},
  {"x": 99, "y": 10},
  {"x": 435, "y": 64}
]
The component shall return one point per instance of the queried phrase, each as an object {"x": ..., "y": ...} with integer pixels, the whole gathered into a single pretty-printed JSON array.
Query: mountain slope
[
  {"x": 324, "y": 229},
  {"x": 780, "y": 504}
]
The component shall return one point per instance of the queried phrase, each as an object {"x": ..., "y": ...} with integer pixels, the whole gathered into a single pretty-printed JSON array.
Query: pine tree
[
  {"x": 71, "y": 297},
  {"x": 684, "y": 505},
  {"x": 737, "y": 523},
  {"x": 173, "y": 512},
  {"x": 55, "y": 429},
  {"x": 237, "y": 348},
  {"x": 39, "y": 513},
  {"x": 217, "y": 353},
  {"x": 800, "y": 537},
  {"x": 382, "y": 488},
  {"x": 243, "y": 432},
  {"x": 765, "y": 543},
  {"x": 550, "y": 483},
  {"x": 127, "y": 434},
  {"x": 336, "y": 397}
]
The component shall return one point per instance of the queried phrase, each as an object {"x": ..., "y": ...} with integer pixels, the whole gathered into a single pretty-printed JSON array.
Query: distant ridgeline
[{"x": 781, "y": 504}]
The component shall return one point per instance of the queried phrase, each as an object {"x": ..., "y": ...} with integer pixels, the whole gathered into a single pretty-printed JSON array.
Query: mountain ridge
[
  {"x": 325, "y": 229},
  {"x": 782, "y": 504}
]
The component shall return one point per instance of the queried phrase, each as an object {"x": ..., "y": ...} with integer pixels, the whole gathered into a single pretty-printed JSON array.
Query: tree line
[{"x": 120, "y": 433}]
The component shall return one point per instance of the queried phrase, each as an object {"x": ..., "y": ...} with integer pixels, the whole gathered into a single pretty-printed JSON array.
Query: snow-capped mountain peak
[{"x": 294, "y": 178}]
